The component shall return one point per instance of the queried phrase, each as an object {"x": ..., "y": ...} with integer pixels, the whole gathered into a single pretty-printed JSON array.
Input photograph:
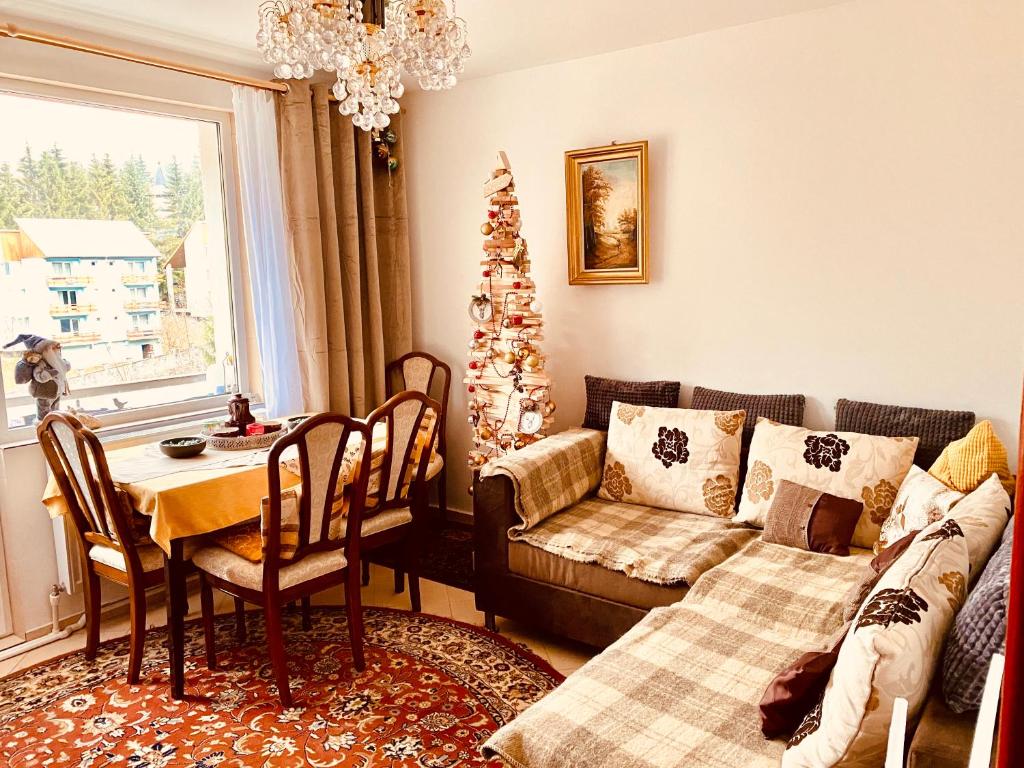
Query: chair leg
[
  {"x": 442, "y": 493},
  {"x": 366, "y": 572},
  {"x": 399, "y": 581},
  {"x": 92, "y": 611},
  {"x": 275, "y": 641},
  {"x": 206, "y": 599},
  {"x": 412, "y": 567},
  {"x": 240, "y": 633},
  {"x": 307, "y": 621},
  {"x": 354, "y": 608},
  {"x": 137, "y": 636},
  {"x": 490, "y": 622}
]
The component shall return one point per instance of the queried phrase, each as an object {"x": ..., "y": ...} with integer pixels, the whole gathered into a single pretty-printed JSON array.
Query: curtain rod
[{"x": 71, "y": 44}]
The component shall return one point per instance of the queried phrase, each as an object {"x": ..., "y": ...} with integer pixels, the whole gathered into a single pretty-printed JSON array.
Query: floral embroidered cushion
[
  {"x": 966, "y": 463},
  {"x": 846, "y": 464},
  {"x": 982, "y": 515},
  {"x": 891, "y": 651},
  {"x": 673, "y": 458},
  {"x": 921, "y": 501}
]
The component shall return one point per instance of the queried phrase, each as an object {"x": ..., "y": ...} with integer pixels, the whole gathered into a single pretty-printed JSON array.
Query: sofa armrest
[
  {"x": 493, "y": 515},
  {"x": 551, "y": 474}
]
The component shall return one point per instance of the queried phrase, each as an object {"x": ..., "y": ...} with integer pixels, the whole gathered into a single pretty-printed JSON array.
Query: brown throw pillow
[
  {"x": 601, "y": 393},
  {"x": 795, "y": 690},
  {"x": 809, "y": 519}
]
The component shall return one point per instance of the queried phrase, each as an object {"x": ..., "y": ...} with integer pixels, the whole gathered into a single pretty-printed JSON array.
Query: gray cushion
[
  {"x": 978, "y": 632},
  {"x": 602, "y": 392},
  {"x": 936, "y": 429}
]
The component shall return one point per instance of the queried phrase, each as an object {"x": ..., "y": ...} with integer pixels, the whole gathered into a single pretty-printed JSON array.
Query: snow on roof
[{"x": 87, "y": 238}]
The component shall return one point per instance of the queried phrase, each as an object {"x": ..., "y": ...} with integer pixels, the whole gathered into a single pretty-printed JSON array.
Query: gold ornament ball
[
  {"x": 520, "y": 444},
  {"x": 486, "y": 228},
  {"x": 480, "y": 460},
  {"x": 532, "y": 361},
  {"x": 524, "y": 353},
  {"x": 509, "y": 357},
  {"x": 549, "y": 408},
  {"x": 485, "y": 433}
]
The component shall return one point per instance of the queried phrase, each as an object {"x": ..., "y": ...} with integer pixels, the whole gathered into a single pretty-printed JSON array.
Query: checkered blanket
[
  {"x": 552, "y": 473},
  {"x": 656, "y": 545},
  {"x": 682, "y": 687}
]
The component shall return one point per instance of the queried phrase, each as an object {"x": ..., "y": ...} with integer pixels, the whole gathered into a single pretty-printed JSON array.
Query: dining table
[{"x": 191, "y": 497}]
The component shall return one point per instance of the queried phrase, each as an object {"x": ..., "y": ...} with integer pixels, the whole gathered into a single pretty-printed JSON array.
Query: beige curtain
[{"x": 347, "y": 218}]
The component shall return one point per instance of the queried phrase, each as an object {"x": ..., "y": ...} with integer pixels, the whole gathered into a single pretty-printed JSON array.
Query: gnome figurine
[{"x": 44, "y": 370}]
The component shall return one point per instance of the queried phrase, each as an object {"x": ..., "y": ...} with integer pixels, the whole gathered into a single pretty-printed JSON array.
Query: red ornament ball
[
  {"x": 492, "y": 214},
  {"x": 473, "y": 364},
  {"x": 487, "y": 273},
  {"x": 478, "y": 334},
  {"x": 517, "y": 285},
  {"x": 471, "y": 388}
]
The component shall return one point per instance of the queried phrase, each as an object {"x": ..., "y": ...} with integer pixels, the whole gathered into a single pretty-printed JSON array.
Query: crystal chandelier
[{"x": 367, "y": 47}]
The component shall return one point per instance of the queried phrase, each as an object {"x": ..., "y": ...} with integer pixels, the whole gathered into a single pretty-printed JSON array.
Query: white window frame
[{"x": 199, "y": 407}]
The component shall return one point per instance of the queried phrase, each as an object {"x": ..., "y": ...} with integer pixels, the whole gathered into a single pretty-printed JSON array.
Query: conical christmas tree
[{"x": 508, "y": 389}]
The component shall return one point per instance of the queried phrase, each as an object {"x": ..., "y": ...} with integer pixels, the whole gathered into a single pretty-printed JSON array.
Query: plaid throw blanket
[
  {"x": 682, "y": 687},
  {"x": 552, "y": 473},
  {"x": 656, "y": 545}
]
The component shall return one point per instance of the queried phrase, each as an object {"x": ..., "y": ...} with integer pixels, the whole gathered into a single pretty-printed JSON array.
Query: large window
[{"x": 114, "y": 242}]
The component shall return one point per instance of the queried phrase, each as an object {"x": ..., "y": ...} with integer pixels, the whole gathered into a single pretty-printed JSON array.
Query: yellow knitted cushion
[{"x": 968, "y": 462}]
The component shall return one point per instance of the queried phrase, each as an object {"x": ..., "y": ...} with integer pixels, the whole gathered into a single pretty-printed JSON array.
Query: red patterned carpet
[{"x": 433, "y": 690}]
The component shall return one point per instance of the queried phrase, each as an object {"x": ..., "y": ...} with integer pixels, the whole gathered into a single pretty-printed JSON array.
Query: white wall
[{"x": 835, "y": 209}]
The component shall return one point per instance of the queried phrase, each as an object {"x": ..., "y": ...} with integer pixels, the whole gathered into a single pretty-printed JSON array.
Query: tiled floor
[{"x": 441, "y": 600}]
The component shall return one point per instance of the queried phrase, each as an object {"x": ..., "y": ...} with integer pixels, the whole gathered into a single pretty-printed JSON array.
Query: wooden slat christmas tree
[{"x": 508, "y": 389}]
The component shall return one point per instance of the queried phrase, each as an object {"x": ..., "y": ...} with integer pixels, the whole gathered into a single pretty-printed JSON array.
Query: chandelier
[{"x": 367, "y": 46}]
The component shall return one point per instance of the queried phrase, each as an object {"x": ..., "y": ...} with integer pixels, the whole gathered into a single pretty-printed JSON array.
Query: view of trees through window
[{"x": 112, "y": 243}]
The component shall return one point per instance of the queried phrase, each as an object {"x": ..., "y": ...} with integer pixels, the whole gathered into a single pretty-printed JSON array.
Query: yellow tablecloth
[{"x": 192, "y": 502}]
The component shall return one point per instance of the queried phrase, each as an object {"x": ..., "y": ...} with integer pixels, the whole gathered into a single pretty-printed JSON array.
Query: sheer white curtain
[{"x": 267, "y": 246}]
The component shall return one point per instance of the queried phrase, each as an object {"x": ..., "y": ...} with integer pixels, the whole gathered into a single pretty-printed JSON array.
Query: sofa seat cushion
[
  {"x": 232, "y": 568},
  {"x": 681, "y": 688},
  {"x": 656, "y": 545},
  {"x": 535, "y": 563}
]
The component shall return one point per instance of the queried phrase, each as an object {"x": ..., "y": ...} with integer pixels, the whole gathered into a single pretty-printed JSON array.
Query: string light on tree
[{"x": 508, "y": 389}]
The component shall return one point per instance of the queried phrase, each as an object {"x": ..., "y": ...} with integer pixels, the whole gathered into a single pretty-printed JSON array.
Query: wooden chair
[
  {"x": 103, "y": 518},
  {"x": 396, "y": 511},
  {"x": 422, "y": 372},
  {"x": 325, "y": 549}
]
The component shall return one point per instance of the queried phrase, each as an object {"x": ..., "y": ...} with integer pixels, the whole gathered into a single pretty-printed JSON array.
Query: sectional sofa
[{"x": 698, "y": 612}]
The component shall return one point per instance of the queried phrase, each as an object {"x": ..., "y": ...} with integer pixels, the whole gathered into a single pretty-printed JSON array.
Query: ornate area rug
[{"x": 432, "y": 692}]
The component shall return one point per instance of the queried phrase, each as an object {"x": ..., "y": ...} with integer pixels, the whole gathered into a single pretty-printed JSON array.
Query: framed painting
[{"x": 606, "y": 211}]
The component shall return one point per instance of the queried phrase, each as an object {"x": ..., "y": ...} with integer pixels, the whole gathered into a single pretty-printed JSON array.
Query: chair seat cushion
[
  {"x": 232, "y": 568},
  {"x": 246, "y": 540},
  {"x": 151, "y": 555}
]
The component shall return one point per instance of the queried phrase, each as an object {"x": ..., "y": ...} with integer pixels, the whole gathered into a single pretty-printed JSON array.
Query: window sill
[{"x": 146, "y": 430}]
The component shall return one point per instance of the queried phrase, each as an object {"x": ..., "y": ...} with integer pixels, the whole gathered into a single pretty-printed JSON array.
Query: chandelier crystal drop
[{"x": 368, "y": 51}]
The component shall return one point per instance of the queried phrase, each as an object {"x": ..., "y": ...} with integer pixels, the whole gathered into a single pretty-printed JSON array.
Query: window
[{"x": 131, "y": 203}]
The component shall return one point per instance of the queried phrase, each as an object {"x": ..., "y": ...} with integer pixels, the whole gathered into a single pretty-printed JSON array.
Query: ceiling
[{"x": 504, "y": 35}]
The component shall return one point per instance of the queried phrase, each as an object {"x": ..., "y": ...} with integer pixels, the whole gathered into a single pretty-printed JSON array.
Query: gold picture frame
[{"x": 606, "y": 214}]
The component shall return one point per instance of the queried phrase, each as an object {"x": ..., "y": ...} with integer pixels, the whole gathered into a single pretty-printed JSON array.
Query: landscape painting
[{"x": 606, "y": 204}]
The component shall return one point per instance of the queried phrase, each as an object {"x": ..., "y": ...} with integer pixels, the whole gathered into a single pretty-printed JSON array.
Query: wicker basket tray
[{"x": 245, "y": 443}]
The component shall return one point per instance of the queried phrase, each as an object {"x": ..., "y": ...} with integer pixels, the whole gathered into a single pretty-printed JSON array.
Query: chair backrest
[
  {"x": 422, "y": 372},
  {"x": 410, "y": 421},
  {"x": 79, "y": 465},
  {"x": 329, "y": 446}
]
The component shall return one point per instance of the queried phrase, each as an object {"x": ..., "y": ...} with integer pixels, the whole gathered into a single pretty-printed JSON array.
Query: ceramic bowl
[{"x": 183, "y": 447}]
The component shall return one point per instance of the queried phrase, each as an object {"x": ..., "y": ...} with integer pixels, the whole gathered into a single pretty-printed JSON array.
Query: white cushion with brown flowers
[
  {"x": 982, "y": 515},
  {"x": 673, "y": 458},
  {"x": 846, "y": 464},
  {"x": 891, "y": 651},
  {"x": 920, "y": 501}
]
